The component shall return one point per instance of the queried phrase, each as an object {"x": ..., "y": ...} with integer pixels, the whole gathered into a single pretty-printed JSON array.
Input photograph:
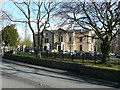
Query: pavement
[{"x": 21, "y": 75}]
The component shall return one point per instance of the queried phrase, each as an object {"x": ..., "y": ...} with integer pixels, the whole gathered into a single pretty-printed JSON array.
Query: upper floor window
[
  {"x": 46, "y": 40},
  {"x": 45, "y": 34},
  {"x": 70, "y": 38},
  {"x": 60, "y": 39},
  {"x": 81, "y": 39}
]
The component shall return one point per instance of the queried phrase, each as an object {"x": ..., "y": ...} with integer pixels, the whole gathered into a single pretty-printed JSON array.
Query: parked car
[
  {"x": 66, "y": 51},
  {"x": 31, "y": 50},
  {"x": 77, "y": 52},
  {"x": 54, "y": 51},
  {"x": 97, "y": 53},
  {"x": 118, "y": 55},
  {"x": 27, "y": 49},
  {"x": 112, "y": 54},
  {"x": 89, "y": 54}
]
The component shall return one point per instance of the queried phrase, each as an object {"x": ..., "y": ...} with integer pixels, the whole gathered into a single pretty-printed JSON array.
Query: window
[
  {"x": 60, "y": 39},
  {"x": 81, "y": 38},
  {"x": 70, "y": 38},
  {"x": 80, "y": 47},
  {"x": 45, "y": 34},
  {"x": 46, "y": 40}
]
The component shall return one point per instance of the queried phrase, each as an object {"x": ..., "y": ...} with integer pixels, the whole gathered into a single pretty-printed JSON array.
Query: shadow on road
[{"x": 36, "y": 71}]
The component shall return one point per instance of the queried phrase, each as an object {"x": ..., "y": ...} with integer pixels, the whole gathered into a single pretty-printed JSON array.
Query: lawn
[{"x": 112, "y": 64}]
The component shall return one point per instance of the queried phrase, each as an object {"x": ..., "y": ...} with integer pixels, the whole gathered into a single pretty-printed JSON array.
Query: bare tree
[
  {"x": 4, "y": 21},
  {"x": 37, "y": 14},
  {"x": 101, "y": 17}
]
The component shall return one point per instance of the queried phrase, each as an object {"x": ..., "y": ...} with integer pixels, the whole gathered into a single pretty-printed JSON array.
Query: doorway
[{"x": 59, "y": 48}]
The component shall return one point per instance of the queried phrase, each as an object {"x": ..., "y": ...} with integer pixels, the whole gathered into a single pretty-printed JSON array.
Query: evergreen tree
[{"x": 10, "y": 35}]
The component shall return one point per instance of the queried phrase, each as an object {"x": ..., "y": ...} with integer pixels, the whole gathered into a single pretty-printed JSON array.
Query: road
[{"x": 19, "y": 75}]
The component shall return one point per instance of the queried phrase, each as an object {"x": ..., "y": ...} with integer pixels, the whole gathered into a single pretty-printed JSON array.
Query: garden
[{"x": 92, "y": 61}]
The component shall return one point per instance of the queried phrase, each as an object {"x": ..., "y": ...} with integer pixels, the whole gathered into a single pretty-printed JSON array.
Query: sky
[
  {"x": 16, "y": 14},
  {"x": 11, "y": 9}
]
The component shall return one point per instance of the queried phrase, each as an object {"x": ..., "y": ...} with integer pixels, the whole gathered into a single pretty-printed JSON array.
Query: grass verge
[{"x": 112, "y": 64}]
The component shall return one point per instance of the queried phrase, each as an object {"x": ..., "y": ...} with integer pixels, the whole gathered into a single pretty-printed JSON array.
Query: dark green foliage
[{"x": 10, "y": 35}]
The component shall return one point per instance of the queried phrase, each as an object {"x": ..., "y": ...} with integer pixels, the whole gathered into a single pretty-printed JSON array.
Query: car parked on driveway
[
  {"x": 31, "y": 50},
  {"x": 118, "y": 55},
  {"x": 89, "y": 54},
  {"x": 77, "y": 52},
  {"x": 112, "y": 54},
  {"x": 97, "y": 53},
  {"x": 66, "y": 52}
]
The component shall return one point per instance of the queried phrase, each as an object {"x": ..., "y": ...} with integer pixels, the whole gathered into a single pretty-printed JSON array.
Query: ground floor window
[{"x": 80, "y": 47}]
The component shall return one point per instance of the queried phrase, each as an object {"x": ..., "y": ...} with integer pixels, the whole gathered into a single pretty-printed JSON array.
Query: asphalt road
[{"x": 19, "y": 75}]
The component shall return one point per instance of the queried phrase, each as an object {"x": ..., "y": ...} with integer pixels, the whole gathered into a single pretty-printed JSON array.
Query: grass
[
  {"x": 112, "y": 64},
  {"x": 25, "y": 54}
]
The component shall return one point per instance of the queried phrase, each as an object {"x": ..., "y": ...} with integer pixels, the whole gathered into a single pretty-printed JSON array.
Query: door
[
  {"x": 59, "y": 48},
  {"x": 45, "y": 48}
]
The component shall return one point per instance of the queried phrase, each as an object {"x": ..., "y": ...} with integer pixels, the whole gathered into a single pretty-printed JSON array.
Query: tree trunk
[
  {"x": 41, "y": 44},
  {"x": 35, "y": 46},
  {"x": 38, "y": 44},
  {"x": 105, "y": 48}
]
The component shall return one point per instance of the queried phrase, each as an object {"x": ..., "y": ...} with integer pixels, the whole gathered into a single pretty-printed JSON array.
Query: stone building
[{"x": 69, "y": 40}]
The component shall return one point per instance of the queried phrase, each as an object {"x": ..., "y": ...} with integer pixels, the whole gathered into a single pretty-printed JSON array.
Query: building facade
[
  {"x": 115, "y": 47},
  {"x": 68, "y": 40},
  {"x": 48, "y": 40}
]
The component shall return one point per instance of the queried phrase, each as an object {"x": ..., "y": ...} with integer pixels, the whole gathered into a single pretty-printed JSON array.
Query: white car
[
  {"x": 31, "y": 50},
  {"x": 112, "y": 54},
  {"x": 66, "y": 51}
]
